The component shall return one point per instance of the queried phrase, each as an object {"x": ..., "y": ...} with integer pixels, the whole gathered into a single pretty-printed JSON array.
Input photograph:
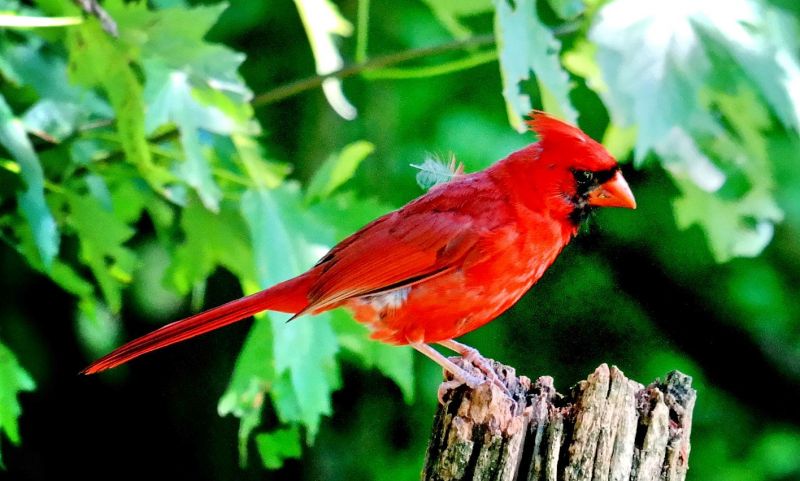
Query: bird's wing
[{"x": 400, "y": 249}]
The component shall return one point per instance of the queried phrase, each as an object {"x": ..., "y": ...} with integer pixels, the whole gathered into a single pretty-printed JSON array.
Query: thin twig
[{"x": 293, "y": 88}]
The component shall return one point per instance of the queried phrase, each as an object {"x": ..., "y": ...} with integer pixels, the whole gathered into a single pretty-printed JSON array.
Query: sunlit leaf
[
  {"x": 337, "y": 170},
  {"x": 526, "y": 45},
  {"x": 13, "y": 380},
  {"x": 656, "y": 60},
  {"x": 323, "y": 23},
  {"x": 170, "y": 97},
  {"x": 23, "y": 21}
]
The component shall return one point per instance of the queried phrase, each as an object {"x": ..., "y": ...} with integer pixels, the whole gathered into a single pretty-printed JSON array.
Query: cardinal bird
[{"x": 447, "y": 262}]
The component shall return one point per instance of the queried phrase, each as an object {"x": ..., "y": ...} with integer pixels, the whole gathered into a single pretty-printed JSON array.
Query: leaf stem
[
  {"x": 434, "y": 70},
  {"x": 362, "y": 30}
]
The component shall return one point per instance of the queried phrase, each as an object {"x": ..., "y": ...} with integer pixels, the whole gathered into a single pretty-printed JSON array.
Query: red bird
[{"x": 446, "y": 263}]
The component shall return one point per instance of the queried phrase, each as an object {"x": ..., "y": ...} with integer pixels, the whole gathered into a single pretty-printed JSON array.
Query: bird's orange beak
[{"x": 613, "y": 193}]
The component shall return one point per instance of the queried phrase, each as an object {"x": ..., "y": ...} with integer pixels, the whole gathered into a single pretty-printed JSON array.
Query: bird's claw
[{"x": 472, "y": 356}]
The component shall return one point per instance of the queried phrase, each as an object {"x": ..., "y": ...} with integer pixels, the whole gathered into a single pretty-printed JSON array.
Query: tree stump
[{"x": 607, "y": 427}]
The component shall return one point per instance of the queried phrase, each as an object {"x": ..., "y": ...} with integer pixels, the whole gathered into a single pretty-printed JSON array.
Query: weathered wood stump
[{"x": 607, "y": 427}]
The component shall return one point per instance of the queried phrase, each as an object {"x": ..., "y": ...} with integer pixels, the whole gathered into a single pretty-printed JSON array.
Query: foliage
[
  {"x": 148, "y": 156},
  {"x": 13, "y": 380}
]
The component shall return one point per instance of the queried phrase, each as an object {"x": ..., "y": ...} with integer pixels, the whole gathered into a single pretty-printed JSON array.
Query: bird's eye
[{"x": 584, "y": 176}]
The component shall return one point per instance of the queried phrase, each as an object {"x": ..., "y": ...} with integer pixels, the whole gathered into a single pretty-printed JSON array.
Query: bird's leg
[
  {"x": 462, "y": 376},
  {"x": 471, "y": 355}
]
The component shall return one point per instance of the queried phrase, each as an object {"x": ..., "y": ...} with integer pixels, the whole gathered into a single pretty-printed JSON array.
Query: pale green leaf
[
  {"x": 643, "y": 49},
  {"x": 276, "y": 446},
  {"x": 170, "y": 99},
  {"x": 285, "y": 244},
  {"x": 173, "y": 38},
  {"x": 526, "y": 44},
  {"x": 337, "y": 170},
  {"x": 262, "y": 172},
  {"x": 323, "y": 23},
  {"x": 656, "y": 60},
  {"x": 13, "y": 380},
  {"x": 31, "y": 201}
]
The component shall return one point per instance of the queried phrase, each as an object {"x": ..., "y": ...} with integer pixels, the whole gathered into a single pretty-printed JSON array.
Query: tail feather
[{"x": 289, "y": 296}]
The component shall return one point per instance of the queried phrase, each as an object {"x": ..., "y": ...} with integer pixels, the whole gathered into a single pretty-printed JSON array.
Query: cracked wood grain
[{"x": 607, "y": 427}]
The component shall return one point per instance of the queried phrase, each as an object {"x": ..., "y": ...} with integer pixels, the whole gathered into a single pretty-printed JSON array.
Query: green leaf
[
  {"x": 323, "y": 22},
  {"x": 278, "y": 445},
  {"x": 13, "y": 380},
  {"x": 97, "y": 60},
  {"x": 741, "y": 227},
  {"x": 210, "y": 240},
  {"x": 526, "y": 44},
  {"x": 434, "y": 171},
  {"x": 253, "y": 376},
  {"x": 285, "y": 243},
  {"x": 102, "y": 249},
  {"x": 337, "y": 170},
  {"x": 31, "y": 201},
  {"x": 62, "y": 107}
]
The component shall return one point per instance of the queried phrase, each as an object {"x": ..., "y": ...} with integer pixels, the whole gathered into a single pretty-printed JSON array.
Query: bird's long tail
[{"x": 289, "y": 296}]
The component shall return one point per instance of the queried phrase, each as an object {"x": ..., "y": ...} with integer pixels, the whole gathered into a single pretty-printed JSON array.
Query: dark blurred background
[{"x": 633, "y": 290}]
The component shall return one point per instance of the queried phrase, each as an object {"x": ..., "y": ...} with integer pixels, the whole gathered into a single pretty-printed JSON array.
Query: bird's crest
[{"x": 548, "y": 127}]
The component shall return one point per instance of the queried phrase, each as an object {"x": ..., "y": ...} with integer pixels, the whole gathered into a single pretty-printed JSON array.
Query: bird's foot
[
  {"x": 484, "y": 365},
  {"x": 460, "y": 375}
]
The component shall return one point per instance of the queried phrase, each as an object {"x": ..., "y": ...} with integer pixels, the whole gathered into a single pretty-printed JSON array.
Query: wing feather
[{"x": 401, "y": 249}]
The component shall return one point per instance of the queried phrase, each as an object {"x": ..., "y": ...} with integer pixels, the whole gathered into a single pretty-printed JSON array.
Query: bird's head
[{"x": 581, "y": 174}]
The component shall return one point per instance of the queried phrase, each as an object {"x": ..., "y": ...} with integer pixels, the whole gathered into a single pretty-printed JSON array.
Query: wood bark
[{"x": 607, "y": 427}]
